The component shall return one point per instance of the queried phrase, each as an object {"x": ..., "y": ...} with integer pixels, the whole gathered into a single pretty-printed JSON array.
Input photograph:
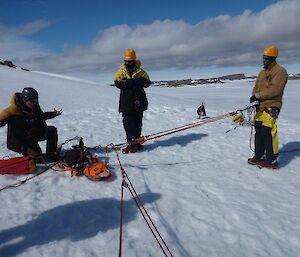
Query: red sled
[{"x": 17, "y": 165}]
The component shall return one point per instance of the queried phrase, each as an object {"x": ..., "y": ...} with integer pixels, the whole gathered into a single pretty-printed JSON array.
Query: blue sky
[
  {"x": 40, "y": 34},
  {"x": 76, "y": 22}
]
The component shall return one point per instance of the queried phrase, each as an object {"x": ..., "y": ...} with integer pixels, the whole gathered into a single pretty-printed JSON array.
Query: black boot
[{"x": 52, "y": 157}]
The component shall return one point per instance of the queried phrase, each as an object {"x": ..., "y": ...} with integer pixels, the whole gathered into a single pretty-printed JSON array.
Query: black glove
[
  {"x": 120, "y": 83},
  {"x": 2, "y": 123},
  {"x": 138, "y": 83},
  {"x": 141, "y": 81},
  {"x": 129, "y": 83},
  {"x": 253, "y": 99}
]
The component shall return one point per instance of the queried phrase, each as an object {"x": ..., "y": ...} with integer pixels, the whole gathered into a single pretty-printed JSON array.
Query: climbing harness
[{"x": 245, "y": 118}]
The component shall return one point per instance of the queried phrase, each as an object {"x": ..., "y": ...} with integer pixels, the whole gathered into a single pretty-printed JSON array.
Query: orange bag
[{"x": 96, "y": 171}]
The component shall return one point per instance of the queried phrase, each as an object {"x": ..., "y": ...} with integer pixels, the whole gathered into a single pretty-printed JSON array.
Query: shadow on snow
[
  {"x": 288, "y": 152},
  {"x": 75, "y": 221},
  {"x": 177, "y": 140}
]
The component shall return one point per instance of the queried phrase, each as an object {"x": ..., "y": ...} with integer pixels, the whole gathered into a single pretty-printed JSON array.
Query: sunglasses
[
  {"x": 34, "y": 101},
  {"x": 265, "y": 57},
  {"x": 129, "y": 62}
]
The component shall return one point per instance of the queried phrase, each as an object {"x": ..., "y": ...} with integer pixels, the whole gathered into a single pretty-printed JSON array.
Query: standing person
[
  {"x": 201, "y": 111},
  {"x": 268, "y": 91},
  {"x": 131, "y": 79},
  {"x": 27, "y": 125}
]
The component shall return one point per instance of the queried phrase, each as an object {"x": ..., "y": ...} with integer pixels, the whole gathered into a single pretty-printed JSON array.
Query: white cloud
[
  {"x": 26, "y": 29},
  {"x": 14, "y": 44},
  {"x": 219, "y": 41}
]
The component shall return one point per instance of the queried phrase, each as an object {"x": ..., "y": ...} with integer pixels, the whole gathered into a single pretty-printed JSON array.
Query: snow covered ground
[{"x": 197, "y": 186}]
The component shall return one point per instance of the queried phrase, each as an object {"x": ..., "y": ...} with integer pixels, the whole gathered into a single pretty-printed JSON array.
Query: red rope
[
  {"x": 192, "y": 125},
  {"x": 251, "y": 133},
  {"x": 188, "y": 126},
  {"x": 147, "y": 222},
  {"x": 143, "y": 139},
  {"x": 139, "y": 201},
  {"x": 121, "y": 220},
  {"x": 251, "y": 138},
  {"x": 142, "y": 210}
]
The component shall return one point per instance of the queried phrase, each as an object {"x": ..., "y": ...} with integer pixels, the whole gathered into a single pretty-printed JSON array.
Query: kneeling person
[{"x": 27, "y": 125}]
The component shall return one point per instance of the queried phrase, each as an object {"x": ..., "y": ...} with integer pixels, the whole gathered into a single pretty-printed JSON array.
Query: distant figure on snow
[
  {"x": 27, "y": 125},
  {"x": 131, "y": 79},
  {"x": 201, "y": 111},
  {"x": 268, "y": 91}
]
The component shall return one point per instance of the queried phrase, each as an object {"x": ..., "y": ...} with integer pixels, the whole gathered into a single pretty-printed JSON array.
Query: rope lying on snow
[
  {"x": 19, "y": 183},
  {"x": 143, "y": 139},
  {"x": 161, "y": 242}
]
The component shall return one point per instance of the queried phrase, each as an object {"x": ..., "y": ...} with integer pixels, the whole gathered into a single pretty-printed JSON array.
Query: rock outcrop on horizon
[
  {"x": 214, "y": 80},
  {"x": 11, "y": 64},
  {"x": 196, "y": 82}
]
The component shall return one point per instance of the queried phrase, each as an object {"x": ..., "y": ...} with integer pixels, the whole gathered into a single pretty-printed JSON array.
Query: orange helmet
[
  {"x": 271, "y": 51},
  {"x": 129, "y": 55}
]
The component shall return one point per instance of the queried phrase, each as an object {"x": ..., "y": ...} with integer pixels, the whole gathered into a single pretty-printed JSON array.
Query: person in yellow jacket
[
  {"x": 268, "y": 91},
  {"x": 27, "y": 125},
  {"x": 131, "y": 79}
]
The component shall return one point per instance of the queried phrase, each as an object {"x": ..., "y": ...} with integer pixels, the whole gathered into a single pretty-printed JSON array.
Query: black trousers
[
  {"x": 132, "y": 123},
  {"x": 264, "y": 142},
  {"x": 32, "y": 147}
]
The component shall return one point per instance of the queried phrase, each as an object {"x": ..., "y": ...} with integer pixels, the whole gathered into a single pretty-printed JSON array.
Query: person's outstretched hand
[{"x": 57, "y": 113}]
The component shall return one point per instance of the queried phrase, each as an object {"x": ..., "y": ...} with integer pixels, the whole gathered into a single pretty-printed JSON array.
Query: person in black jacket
[
  {"x": 27, "y": 125},
  {"x": 131, "y": 79},
  {"x": 201, "y": 111}
]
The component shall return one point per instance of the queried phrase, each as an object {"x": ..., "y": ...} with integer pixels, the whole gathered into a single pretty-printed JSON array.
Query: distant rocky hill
[
  {"x": 222, "y": 79},
  {"x": 294, "y": 76},
  {"x": 10, "y": 64},
  {"x": 195, "y": 82},
  {"x": 181, "y": 82}
]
